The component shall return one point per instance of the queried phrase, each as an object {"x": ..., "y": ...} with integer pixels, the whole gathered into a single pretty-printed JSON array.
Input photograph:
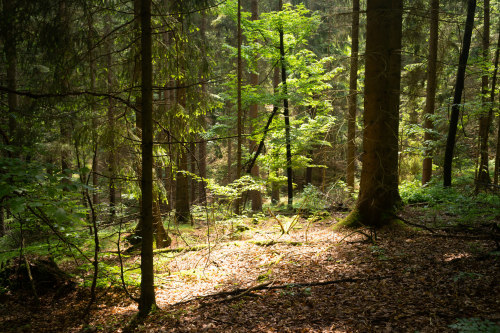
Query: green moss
[{"x": 354, "y": 221}]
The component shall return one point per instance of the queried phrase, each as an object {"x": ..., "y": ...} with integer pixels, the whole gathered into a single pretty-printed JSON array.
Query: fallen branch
[
  {"x": 182, "y": 249},
  {"x": 266, "y": 286},
  {"x": 273, "y": 242}
]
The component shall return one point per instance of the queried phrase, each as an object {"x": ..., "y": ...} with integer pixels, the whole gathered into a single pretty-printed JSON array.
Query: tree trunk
[
  {"x": 229, "y": 151},
  {"x": 378, "y": 195},
  {"x": 353, "y": 94},
  {"x": 286, "y": 114},
  {"x": 202, "y": 147},
  {"x": 275, "y": 187},
  {"x": 457, "y": 98},
  {"x": 240, "y": 112},
  {"x": 255, "y": 195},
  {"x": 430, "y": 97},
  {"x": 309, "y": 170},
  {"x": 182, "y": 188},
  {"x": 492, "y": 100},
  {"x": 111, "y": 125},
  {"x": 192, "y": 169},
  {"x": 483, "y": 175},
  {"x": 10, "y": 49},
  {"x": 182, "y": 207},
  {"x": 93, "y": 111},
  {"x": 147, "y": 298}
]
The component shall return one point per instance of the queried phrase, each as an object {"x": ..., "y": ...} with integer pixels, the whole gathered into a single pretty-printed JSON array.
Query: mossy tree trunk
[{"x": 379, "y": 194}]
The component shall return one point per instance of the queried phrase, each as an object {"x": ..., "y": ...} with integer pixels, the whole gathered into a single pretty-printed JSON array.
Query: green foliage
[
  {"x": 44, "y": 204},
  {"x": 459, "y": 200},
  {"x": 311, "y": 199},
  {"x": 475, "y": 325}
]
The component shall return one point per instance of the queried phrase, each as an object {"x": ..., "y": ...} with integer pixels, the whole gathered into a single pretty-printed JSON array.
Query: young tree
[
  {"x": 430, "y": 96},
  {"x": 286, "y": 114},
  {"x": 147, "y": 298},
  {"x": 255, "y": 195},
  {"x": 457, "y": 98},
  {"x": 483, "y": 175},
  {"x": 378, "y": 194},
  {"x": 353, "y": 97}
]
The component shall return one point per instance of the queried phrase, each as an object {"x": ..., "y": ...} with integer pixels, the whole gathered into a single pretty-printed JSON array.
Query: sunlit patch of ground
[{"x": 405, "y": 281}]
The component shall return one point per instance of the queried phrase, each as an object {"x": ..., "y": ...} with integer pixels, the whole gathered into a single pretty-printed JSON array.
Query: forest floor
[{"x": 310, "y": 280}]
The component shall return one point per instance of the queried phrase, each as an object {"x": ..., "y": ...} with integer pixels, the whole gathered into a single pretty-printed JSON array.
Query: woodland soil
[{"x": 404, "y": 281}]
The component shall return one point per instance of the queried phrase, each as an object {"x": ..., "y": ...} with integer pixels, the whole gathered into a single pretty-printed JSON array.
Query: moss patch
[{"x": 354, "y": 221}]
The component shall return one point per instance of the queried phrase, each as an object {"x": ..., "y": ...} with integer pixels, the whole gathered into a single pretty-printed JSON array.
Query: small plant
[{"x": 475, "y": 325}]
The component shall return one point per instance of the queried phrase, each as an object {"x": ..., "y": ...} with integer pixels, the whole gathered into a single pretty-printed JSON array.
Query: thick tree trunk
[
  {"x": 378, "y": 196},
  {"x": 353, "y": 96},
  {"x": 457, "y": 98},
  {"x": 430, "y": 98},
  {"x": 483, "y": 175},
  {"x": 286, "y": 115},
  {"x": 147, "y": 298}
]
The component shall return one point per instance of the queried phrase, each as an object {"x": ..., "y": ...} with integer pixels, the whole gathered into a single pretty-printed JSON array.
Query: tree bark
[
  {"x": 492, "y": 100},
  {"x": 378, "y": 195},
  {"x": 182, "y": 208},
  {"x": 93, "y": 111},
  {"x": 147, "y": 298},
  {"x": 483, "y": 175},
  {"x": 111, "y": 125},
  {"x": 202, "y": 147},
  {"x": 255, "y": 195},
  {"x": 286, "y": 115},
  {"x": 457, "y": 98},
  {"x": 353, "y": 96},
  {"x": 430, "y": 96},
  {"x": 240, "y": 112}
]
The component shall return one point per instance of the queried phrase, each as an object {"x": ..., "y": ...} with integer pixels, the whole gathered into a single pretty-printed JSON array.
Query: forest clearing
[
  {"x": 249, "y": 166},
  {"x": 313, "y": 279}
]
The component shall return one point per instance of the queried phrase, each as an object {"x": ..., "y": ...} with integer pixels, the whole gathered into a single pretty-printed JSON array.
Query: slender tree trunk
[
  {"x": 93, "y": 111},
  {"x": 255, "y": 195},
  {"x": 10, "y": 49},
  {"x": 483, "y": 175},
  {"x": 378, "y": 194},
  {"x": 353, "y": 94},
  {"x": 192, "y": 169},
  {"x": 286, "y": 114},
  {"x": 147, "y": 298},
  {"x": 430, "y": 99},
  {"x": 457, "y": 98},
  {"x": 309, "y": 170},
  {"x": 240, "y": 112},
  {"x": 202, "y": 147},
  {"x": 229, "y": 143},
  {"x": 182, "y": 210},
  {"x": 275, "y": 187},
  {"x": 111, "y": 125},
  {"x": 492, "y": 100}
]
